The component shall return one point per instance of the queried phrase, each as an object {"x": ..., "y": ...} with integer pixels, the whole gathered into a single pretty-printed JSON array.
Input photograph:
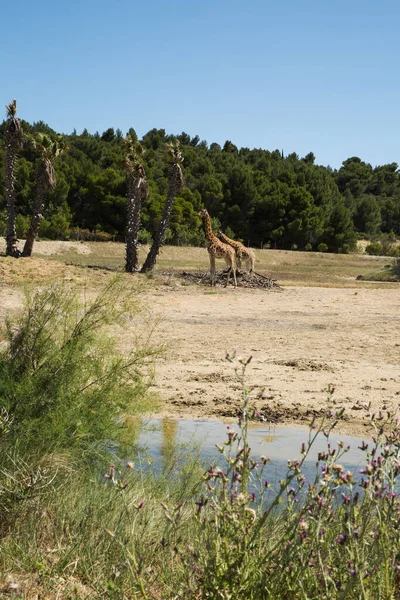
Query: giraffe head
[{"x": 203, "y": 213}]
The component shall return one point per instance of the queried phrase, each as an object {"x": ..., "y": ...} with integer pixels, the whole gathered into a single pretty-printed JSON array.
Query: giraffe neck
[
  {"x": 208, "y": 229},
  {"x": 228, "y": 240}
]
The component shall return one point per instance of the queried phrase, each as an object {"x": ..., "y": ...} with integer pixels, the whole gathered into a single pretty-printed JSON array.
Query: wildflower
[{"x": 340, "y": 539}]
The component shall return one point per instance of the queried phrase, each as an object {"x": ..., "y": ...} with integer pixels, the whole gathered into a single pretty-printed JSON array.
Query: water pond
[{"x": 164, "y": 437}]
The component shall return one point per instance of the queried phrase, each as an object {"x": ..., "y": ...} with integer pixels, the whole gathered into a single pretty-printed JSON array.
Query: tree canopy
[{"x": 264, "y": 197}]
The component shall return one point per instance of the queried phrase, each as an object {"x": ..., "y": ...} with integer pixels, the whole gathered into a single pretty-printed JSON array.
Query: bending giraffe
[
  {"x": 242, "y": 253},
  {"x": 216, "y": 249}
]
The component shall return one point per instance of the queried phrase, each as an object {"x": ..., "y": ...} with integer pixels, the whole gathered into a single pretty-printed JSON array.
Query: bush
[
  {"x": 308, "y": 247},
  {"x": 322, "y": 247},
  {"x": 86, "y": 235},
  {"x": 21, "y": 226},
  {"x": 55, "y": 229},
  {"x": 62, "y": 379},
  {"x": 374, "y": 249},
  {"x": 144, "y": 237}
]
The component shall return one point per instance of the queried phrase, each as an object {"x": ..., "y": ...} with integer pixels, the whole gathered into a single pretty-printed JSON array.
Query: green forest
[{"x": 264, "y": 198}]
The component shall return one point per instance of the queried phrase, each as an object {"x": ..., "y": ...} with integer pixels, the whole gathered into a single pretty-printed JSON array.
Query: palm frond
[
  {"x": 11, "y": 109},
  {"x": 14, "y": 127},
  {"x": 173, "y": 153}
]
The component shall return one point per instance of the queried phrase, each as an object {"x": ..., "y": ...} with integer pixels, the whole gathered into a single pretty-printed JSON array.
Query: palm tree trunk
[
  {"x": 175, "y": 185},
  {"x": 133, "y": 225},
  {"x": 11, "y": 234},
  {"x": 37, "y": 216}
]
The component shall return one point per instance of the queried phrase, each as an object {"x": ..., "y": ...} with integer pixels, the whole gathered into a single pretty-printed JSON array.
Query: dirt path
[{"x": 302, "y": 340}]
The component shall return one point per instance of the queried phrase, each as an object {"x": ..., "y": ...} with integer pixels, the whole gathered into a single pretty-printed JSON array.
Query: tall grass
[{"x": 220, "y": 532}]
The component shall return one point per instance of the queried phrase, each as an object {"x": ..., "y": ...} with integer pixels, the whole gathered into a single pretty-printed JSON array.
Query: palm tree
[
  {"x": 48, "y": 150},
  {"x": 13, "y": 142},
  {"x": 176, "y": 183},
  {"x": 137, "y": 191}
]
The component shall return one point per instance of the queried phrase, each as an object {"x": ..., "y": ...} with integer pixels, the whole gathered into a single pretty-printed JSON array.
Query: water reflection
[
  {"x": 169, "y": 441},
  {"x": 280, "y": 444}
]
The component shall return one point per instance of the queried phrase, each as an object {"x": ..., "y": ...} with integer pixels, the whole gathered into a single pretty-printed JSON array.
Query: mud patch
[
  {"x": 211, "y": 377},
  {"x": 302, "y": 364}
]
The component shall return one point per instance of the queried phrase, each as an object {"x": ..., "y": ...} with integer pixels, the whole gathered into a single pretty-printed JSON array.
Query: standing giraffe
[
  {"x": 216, "y": 249},
  {"x": 242, "y": 253}
]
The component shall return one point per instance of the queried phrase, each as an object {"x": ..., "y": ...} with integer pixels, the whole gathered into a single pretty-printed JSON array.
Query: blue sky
[{"x": 297, "y": 75}]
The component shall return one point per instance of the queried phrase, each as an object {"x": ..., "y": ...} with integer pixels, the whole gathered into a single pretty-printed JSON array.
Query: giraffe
[
  {"x": 216, "y": 249},
  {"x": 242, "y": 253}
]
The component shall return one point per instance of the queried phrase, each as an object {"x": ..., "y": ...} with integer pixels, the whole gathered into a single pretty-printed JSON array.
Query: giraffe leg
[
  {"x": 234, "y": 271},
  {"x": 212, "y": 269},
  {"x": 229, "y": 276},
  {"x": 229, "y": 270}
]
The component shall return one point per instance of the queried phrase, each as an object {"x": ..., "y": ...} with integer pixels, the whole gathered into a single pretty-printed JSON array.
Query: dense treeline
[{"x": 261, "y": 197}]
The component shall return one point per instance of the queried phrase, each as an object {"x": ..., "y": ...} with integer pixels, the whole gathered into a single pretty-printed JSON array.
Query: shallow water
[{"x": 164, "y": 436}]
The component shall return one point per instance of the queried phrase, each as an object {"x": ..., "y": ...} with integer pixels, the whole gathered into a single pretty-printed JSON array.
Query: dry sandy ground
[
  {"x": 302, "y": 339},
  {"x": 49, "y": 248}
]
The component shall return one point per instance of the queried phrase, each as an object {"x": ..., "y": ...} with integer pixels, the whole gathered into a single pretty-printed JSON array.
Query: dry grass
[
  {"x": 64, "y": 261},
  {"x": 289, "y": 268}
]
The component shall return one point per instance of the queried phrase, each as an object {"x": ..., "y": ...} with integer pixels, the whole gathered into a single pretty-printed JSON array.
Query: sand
[{"x": 301, "y": 339}]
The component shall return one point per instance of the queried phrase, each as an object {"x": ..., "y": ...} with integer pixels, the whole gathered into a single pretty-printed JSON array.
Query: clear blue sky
[{"x": 297, "y": 75}]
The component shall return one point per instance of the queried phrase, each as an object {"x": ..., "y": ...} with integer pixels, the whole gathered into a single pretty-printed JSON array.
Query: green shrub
[
  {"x": 21, "y": 226},
  {"x": 144, "y": 237},
  {"x": 308, "y": 247},
  {"x": 62, "y": 379},
  {"x": 322, "y": 247},
  {"x": 86, "y": 235},
  {"x": 57, "y": 228},
  {"x": 374, "y": 249}
]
